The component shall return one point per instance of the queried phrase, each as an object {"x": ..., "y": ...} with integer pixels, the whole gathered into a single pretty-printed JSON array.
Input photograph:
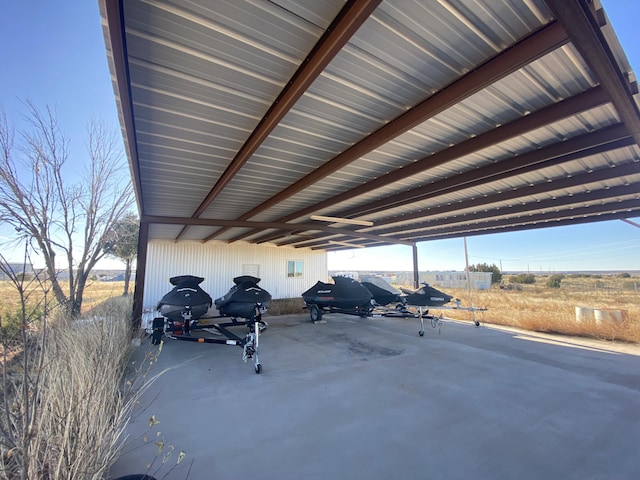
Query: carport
[
  {"x": 332, "y": 124},
  {"x": 337, "y": 124}
]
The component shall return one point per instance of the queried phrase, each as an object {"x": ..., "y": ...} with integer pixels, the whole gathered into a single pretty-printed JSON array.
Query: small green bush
[
  {"x": 525, "y": 278},
  {"x": 554, "y": 281},
  {"x": 11, "y": 322},
  {"x": 496, "y": 277}
]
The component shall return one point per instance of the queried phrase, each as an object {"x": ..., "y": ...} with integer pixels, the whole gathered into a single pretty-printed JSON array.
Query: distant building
[
  {"x": 452, "y": 279},
  {"x": 17, "y": 269},
  {"x": 478, "y": 280},
  {"x": 353, "y": 275}
]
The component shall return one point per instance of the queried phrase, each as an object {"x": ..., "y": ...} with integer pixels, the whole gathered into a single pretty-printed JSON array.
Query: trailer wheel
[
  {"x": 258, "y": 368},
  {"x": 157, "y": 330},
  {"x": 477, "y": 323},
  {"x": 315, "y": 312}
]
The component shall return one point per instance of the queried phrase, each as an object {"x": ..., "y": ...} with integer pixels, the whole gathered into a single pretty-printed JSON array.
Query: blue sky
[{"x": 53, "y": 54}]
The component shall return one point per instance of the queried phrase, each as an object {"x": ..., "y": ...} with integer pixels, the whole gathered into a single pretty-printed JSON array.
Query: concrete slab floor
[{"x": 368, "y": 398}]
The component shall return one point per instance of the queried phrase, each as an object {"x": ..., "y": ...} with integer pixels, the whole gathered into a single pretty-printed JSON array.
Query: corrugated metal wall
[{"x": 219, "y": 263}]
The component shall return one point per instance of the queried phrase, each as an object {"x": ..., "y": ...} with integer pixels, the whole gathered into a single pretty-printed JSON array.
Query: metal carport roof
[{"x": 428, "y": 119}]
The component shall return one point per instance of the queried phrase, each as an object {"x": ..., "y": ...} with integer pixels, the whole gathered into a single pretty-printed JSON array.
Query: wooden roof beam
[
  {"x": 117, "y": 46},
  {"x": 476, "y": 230}
]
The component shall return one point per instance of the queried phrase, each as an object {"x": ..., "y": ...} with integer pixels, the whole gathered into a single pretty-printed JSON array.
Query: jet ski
[
  {"x": 382, "y": 292},
  {"x": 245, "y": 299},
  {"x": 184, "y": 307},
  {"x": 426, "y": 296},
  {"x": 186, "y": 301},
  {"x": 370, "y": 298},
  {"x": 345, "y": 293}
]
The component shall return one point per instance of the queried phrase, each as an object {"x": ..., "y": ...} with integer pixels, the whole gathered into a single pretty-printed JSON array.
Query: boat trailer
[
  {"x": 421, "y": 312},
  {"x": 176, "y": 330}
]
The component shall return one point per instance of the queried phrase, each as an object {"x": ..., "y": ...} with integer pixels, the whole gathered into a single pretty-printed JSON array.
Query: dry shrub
[
  {"x": 286, "y": 306},
  {"x": 83, "y": 408},
  {"x": 80, "y": 404}
]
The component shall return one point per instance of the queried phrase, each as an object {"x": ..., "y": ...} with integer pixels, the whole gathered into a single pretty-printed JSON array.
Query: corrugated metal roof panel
[{"x": 197, "y": 79}]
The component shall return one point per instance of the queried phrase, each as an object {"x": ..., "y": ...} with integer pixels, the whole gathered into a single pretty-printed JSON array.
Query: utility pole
[{"x": 466, "y": 261}]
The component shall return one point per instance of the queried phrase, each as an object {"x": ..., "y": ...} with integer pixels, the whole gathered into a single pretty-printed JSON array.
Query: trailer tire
[
  {"x": 157, "y": 330},
  {"x": 315, "y": 312}
]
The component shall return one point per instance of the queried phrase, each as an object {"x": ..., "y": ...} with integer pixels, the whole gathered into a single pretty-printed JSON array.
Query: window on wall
[{"x": 294, "y": 268}]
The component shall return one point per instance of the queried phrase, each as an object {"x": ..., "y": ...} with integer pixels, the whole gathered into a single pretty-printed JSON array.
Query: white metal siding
[{"x": 218, "y": 263}]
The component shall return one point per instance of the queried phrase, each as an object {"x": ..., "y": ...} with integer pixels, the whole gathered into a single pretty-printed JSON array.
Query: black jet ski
[
  {"x": 383, "y": 293},
  {"x": 186, "y": 301},
  {"x": 426, "y": 296},
  {"x": 345, "y": 293},
  {"x": 245, "y": 299}
]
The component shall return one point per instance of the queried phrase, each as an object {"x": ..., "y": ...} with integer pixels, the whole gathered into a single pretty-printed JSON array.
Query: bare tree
[
  {"x": 122, "y": 243},
  {"x": 59, "y": 218}
]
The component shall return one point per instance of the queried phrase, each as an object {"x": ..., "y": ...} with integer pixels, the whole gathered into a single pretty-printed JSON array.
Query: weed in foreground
[{"x": 65, "y": 405}]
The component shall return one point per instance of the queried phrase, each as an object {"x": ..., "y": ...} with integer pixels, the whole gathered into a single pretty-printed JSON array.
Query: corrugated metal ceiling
[{"x": 431, "y": 119}]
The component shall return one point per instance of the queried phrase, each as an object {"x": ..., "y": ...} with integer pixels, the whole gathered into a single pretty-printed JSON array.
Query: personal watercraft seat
[
  {"x": 426, "y": 296},
  {"x": 243, "y": 298},
  {"x": 187, "y": 300},
  {"x": 345, "y": 293},
  {"x": 383, "y": 293}
]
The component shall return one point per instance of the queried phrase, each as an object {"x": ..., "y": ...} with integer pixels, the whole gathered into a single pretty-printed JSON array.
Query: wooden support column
[{"x": 141, "y": 270}]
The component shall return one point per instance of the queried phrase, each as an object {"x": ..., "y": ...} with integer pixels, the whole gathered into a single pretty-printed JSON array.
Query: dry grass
[
  {"x": 83, "y": 408},
  {"x": 94, "y": 295},
  {"x": 68, "y": 398},
  {"x": 553, "y": 310},
  {"x": 286, "y": 306}
]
